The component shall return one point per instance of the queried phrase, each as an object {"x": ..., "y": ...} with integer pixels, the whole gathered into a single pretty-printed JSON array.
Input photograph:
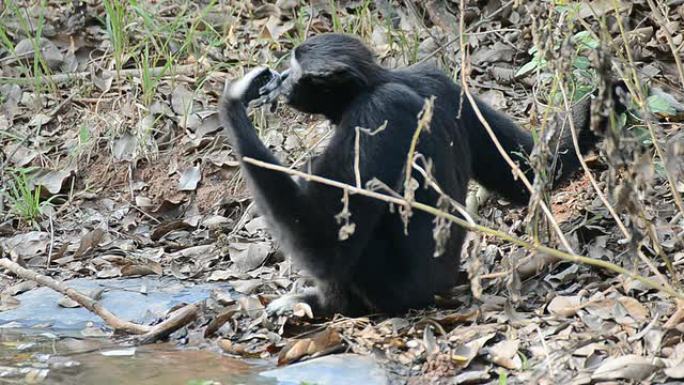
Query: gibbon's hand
[{"x": 258, "y": 87}]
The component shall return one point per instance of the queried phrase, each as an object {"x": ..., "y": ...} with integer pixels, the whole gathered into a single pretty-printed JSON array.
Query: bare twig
[
  {"x": 636, "y": 91},
  {"x": 662, "y": 20},
  {"x": 67, "y": 77},
  {"x": 575, "y": 142},
  {"x": 177, "y": 320},
  {"x": 82, "y": 299},
  {"x": 676, "y": 318},
  {"x": 357, "y": 156},
  {"x": 514, "y": 167},
  {"x": 465, "y": 224},
  {"x": 180, "y": 318},
  {"x": 423, "y": 124}
]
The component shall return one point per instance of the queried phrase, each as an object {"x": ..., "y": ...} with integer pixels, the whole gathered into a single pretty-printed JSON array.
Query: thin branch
[
  {"x": 473, "y": 227},
  {"x": 588, "y": 173},
  {"x": 514, "y": 167},
  {"x": 663, "y": 22},
  {"x": 183, "y": 69},
  {"x": 357, "y": 156},
  {"x": 636, "y": 91},
  {"x": 93, "y": 306},
  {"x": 180, "y": 318},
  {"x": 423, "y": 124},
  {"x": 600, "y": 194},
  {"x": 177, "y": 320}
]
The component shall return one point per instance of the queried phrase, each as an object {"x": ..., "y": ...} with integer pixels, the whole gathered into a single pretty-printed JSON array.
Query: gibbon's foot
[
  {"x": 258, "y": 87},
  {"x": 286, "y": 303}
]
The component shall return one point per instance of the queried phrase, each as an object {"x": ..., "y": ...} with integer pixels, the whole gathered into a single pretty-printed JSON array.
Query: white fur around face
[
  {"x": 236, "y": 90},
  {"x": 295, "y": 67},
  {"x": 293, "y": 75}
]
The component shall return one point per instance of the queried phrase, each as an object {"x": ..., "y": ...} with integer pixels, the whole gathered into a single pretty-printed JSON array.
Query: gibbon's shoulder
[{"x": 392, "y": 101}]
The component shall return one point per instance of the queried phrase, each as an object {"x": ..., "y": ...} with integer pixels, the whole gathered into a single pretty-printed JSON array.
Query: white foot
[{"x": 288, "y": 303}]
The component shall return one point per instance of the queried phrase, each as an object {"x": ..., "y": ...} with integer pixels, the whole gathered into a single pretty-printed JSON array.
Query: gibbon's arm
[
  {"x": 302, "y": 215},
  {"x": 490, "y": 168},
  {"x": 275, "y": 192}
]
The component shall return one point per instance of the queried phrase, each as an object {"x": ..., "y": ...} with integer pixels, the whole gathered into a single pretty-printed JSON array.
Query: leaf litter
[{"x": 139, "y": 179}]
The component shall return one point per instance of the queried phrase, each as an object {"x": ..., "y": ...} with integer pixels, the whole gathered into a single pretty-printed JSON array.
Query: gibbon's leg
[{"x": 492, "y": 171}]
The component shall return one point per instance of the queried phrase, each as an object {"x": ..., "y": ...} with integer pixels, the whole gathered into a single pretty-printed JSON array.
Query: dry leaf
[
  {"x": 248, "y": 256},
  {"x": 125, "y": 148},
  {"x": 189, "y": 178},
  {"x": 635, "y": 309},
  {"x": 630, "y": 367},
  {"x": 182, "y": 100},
  {"x": 463, "y": 355},
  {"x": 320, "y": 343},
  {"x": 141, "y": 269},
  {"x": 676, "y": 372},
  {"x": 505, "y": 353},
  {"x": 89, "y": 242},
  {"x": 564, "y": 306},
  {"x": 52, "y": 180}
]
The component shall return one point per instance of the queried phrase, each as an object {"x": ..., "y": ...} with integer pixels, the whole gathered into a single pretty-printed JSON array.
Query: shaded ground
[{"x": 119, "y": 169}]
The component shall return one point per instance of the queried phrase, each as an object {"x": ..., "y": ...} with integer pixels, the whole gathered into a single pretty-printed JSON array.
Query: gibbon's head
[{"x": 327, "y": 72}]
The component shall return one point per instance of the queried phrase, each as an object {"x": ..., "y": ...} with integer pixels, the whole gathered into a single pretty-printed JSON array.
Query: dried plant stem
[
  {"x": 80, "y": 298},
  {"x": 600, "y": 194},
  {"x": 183, "y": 69},
  {"x": 473, "y": 227},
  {"x": 636, "y": 91},
  {"x": 357, "y": 156},
  {"x": 514, "y": 167},
  {"x": 423, "y": 124},
  {"x": 663, "y": 21},
  {"x": 150, "y": 334},
  {"x": 594, "y": 184}
]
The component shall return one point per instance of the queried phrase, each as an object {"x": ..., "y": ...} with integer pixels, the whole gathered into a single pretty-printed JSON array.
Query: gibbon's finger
[
  {"x": 272, "y": 85},
  {"x": 248, "y": 87}
]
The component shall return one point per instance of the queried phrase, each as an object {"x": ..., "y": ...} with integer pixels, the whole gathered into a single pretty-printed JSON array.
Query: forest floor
[{"x": 113, "y": 164}]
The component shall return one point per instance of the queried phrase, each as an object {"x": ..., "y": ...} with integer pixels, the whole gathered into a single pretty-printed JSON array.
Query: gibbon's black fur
[{"x": 380, "y": 267}]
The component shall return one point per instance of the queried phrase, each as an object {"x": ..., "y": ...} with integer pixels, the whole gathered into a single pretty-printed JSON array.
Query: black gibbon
[{"x": 380, "y": 267}]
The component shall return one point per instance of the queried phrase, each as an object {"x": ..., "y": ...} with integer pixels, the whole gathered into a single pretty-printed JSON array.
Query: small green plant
[
  {"x": 34, "y": 29},
  {"x": 115, "y": 22},
  {"x": 503, "y": 377},
  {"x": 408, "y": 44},
  {"x": 301, "y": 20},
  {"x": 148, "y": 80},
  {"x": 5, "y": 41},
  {"x": 24, "y": 201},
  {"x": 583, "y": 76},
  {"x": 335, "y": 18}
]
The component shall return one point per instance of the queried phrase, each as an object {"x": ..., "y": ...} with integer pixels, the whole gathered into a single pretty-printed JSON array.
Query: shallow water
[{"x": 42, "y": 358}]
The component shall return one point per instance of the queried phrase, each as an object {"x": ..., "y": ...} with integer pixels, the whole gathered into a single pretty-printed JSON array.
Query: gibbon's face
[{"x": 326, "y": 72}]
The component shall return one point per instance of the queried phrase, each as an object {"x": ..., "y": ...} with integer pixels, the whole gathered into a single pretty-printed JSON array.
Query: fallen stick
[
  {"x": 150, "y": 334},
  {"x": 177, "y": 320},
  {"x": 183, "y": 69}
]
